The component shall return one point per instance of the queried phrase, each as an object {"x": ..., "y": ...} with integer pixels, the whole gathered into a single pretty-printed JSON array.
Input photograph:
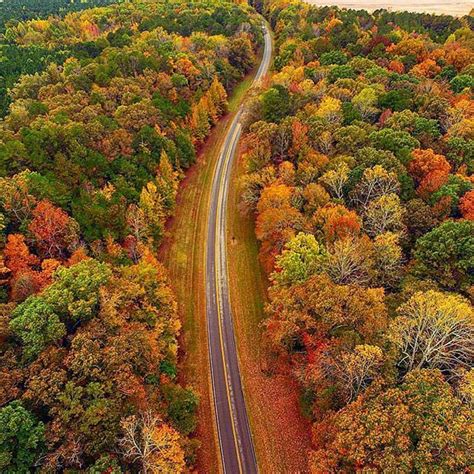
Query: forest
[
  {"x": 92, "y": 148},
  {"x": 359, "y": 157},
  {"x": 358, "y": 152},
  {"x": 16, "y": 60}
]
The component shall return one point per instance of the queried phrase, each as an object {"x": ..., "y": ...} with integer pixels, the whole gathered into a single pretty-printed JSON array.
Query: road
[{"x": 233, "y": 429}]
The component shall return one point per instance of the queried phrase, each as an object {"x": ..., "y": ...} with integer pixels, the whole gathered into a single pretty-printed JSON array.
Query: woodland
[
  {"x": 16, "y": 60},
  {"x": 102, "y": 124},
  {"x": 359, "y": 157},
  {"x": 359, "y": 161}
]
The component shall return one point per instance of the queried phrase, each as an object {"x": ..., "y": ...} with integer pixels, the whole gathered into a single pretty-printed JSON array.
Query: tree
[
  {"x": 74, "y": 293},
  {"x": 252, "y": 185},
  {"x": 241, "y": 53},
  {"x": 275, "y": 104},
  {"x": 399, "y": 142},
  {"x": 315, "y": 197},
  {"x": 340, "y": 72},
  {"x": 387, "y": 260},
  {"x": 446, "y": 254},
  {"x": 434, "y": 330},
  {"x": 17, "y": 255},
  {"x": 199, "y": 120},
  {"x": 365, "y": 101},
  {"x": 258, "y": 144},
  {"x": 350, "y": 139},
  {"x": 461, "y": 82},
  {"x": 324, "y": 309},
  {"x": 21, "y": 439},
  {"x": 15, "y": 197},
  {"x": 446, "y": 198},
  {"x": 375, "y": 183},
  {"x": 330, "y": 109},
  {"x": 402, "y": 429},
  {"x": 182, "y": 406},
  {"x": 350, "y": 261},
  {"x": 466, "y": 205},
  {"x": 137, "y": 224},
  {"x": 218, "y": 96},
  {"x": 333, "y": 57},
  {"x": 151, "y": 203},
  {"x": 429, "y": 169},
  {"x": 301, "y": 258},
  {"x": 153, "y": 444},
  {"x": 384, "y": 214},
  {"x": 396, "y": 100},
  {"x": 28, "y": 276},
  {"x": 427, "y": 68},
  {"x": 37, "y": 325},
  {"x": 335, "y": 179},
  {"x": 336, "y": 222},
  {"x": 419, "y": 217},
  {"x": 55, "y": 232},
  {"x": 105, "y": 464},
  {"x": 167, "y": 183},
  {"x": 277, "y": 221},
  {"x": 353, "y": 371}
]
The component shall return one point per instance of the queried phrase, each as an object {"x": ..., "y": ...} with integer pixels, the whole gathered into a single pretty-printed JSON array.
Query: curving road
[{"x": 235, "y": 439}]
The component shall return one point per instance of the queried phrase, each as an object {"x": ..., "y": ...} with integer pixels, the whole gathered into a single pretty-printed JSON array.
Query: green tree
[
  {"x": 396, "y": 100},
  {"x": 461, "y": 82},
  {"x": 399, "y": 142},
  {"x": 37, "y": 325},
  {"x": 301, "y": 258},
  {"x": 74, "y": 295},
  {"x": 446, "y": 254},
  {"x": 21, "y": 439},
  {"x": 333, "y": 57},
  {"x": 275, "y": 103},
  {"x": 182, "y": 406}
]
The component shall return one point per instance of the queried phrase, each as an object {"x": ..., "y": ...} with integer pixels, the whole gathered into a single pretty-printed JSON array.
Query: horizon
[{"x": 446, "y": 7}]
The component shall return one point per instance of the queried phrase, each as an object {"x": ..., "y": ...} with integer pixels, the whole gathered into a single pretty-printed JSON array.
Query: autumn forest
[{"x": 357, "y": 151}]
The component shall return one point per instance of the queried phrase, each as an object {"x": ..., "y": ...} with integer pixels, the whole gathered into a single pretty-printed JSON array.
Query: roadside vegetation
[
  {"x": 359, "y": 158},
  {"x": 92, "y": 150}
]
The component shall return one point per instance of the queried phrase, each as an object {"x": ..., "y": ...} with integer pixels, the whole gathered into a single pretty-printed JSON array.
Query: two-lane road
[{"x": 233, "y": 429}]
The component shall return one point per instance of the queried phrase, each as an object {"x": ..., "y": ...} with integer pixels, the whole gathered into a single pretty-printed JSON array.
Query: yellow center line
[{"x": 218, "y": 292}]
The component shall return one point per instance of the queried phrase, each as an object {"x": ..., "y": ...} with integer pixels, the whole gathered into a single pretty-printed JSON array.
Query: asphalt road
[{"x": 235, "y": 438}]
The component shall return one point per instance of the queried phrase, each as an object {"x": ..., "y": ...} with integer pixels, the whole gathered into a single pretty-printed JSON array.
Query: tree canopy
[{"x": 359, "y": 167}]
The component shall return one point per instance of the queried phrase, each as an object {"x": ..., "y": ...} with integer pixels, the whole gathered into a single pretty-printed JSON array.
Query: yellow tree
[
  {"x": 167, "y": 182},
  {"x": 434, "y": 330},
  {"x": 151, "y": 203},
  {"x": 152, "y": 443},
  {"x": 218, "y": 96}
]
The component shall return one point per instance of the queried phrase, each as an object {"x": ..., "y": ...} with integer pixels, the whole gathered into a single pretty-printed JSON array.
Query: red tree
[
  {"x": 429, "y": 169},
  {"x": 466, "y": 205},
  {"x": 53, "y": 230}
]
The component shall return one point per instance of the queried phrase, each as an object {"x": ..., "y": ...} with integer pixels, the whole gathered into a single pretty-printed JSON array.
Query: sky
[{"x": 451, "y": 7}]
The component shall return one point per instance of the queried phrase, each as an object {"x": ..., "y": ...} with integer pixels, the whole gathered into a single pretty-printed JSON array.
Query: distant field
[{"x": 450, "y": 7}]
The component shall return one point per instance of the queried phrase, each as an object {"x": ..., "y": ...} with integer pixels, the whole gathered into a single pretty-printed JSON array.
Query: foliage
[
  {"x": 21, "y": 438},
  {"x": 434, "y": 330},
  {"x": 106, "y": 109},
  {"x": 35, "y": 322},
  {"x": 403, "y": 428},
  {"x": 447, "y": 253},
  {"x": 301, "y": 258},
  {"x": 152, "y": 444},
  {"x": 359, "y": 166}
]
